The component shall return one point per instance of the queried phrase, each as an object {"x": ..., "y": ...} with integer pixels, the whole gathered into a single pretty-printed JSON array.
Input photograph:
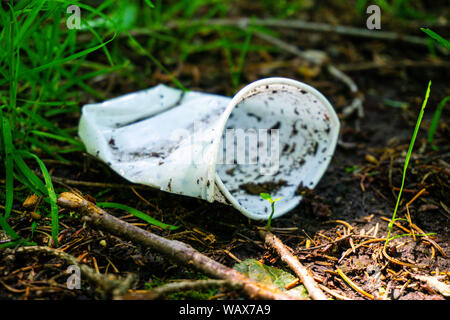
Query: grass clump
[{"x": 49, "y": 70}]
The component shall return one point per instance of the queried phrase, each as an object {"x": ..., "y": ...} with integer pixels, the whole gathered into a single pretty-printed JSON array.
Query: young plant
[
  {"x": 268, "y": 197},
  {"x": 405, "y": 167}
]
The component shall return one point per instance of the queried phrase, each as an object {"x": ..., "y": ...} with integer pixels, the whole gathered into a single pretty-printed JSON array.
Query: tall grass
[
  {"x": 48, "y": 71},
  {"x": 34, "y": 60}
]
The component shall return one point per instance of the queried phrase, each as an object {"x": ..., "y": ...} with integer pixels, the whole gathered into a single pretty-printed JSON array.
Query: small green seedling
[{"x": 268, "y": 197}]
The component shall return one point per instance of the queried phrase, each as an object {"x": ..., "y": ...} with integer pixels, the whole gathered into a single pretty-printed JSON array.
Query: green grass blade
[
  {"x": 66, "y": 59},
  {"x": 23, "y": 168},
  {"x": 145, "y": 52},
  {"x": 150, "y": 4},
  {"x": 245, "y": 48},
  {"x": 59, "y": 138},
  {"x": 410, "y": 234},
  {"x": 45, "y": 123},
  {"x": 17, "y": 243},
  {"x": 13, "y": 64},
  {"x": 36, "y": 7},
  {"x": 51, "y": 195},
  {"x": 23, "y": 180},
  {"x": 137, "y": 213},
  {"x": 408, "y": 156},
  {"x": 105, "y": 48},
  {"x": 7, "y": 228},
  {"x": 9, "y": 150},
  {"x": 436, "y": 37}
]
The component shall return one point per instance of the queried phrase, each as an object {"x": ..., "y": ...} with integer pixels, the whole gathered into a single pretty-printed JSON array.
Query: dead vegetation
[{"x": 337, "y": 234}]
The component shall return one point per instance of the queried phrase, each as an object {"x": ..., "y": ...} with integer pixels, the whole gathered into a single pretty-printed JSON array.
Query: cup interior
[{"x": 278, "y": 138}]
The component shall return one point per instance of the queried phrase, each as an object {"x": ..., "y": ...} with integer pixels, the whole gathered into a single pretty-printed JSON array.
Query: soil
[
  {"x": 359, "y": 190},
  {"x": 267, "y": 187}
]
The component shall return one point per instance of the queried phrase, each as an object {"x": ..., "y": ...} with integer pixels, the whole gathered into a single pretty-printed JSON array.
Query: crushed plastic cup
[{"x": 274, "y": 135}]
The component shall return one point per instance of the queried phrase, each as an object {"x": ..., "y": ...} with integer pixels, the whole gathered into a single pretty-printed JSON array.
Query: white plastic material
[{"x": 274, "y": 135}]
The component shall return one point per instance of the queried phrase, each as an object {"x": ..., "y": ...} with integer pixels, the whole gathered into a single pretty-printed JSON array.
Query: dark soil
[{"x": 268, "y": 187}]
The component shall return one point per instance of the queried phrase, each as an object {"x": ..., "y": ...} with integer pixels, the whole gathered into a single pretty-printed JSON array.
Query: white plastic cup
[{"x": 274, "y": 135}]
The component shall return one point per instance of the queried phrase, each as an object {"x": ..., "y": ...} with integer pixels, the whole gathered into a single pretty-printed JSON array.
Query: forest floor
[{"x": 355, "y": 198}]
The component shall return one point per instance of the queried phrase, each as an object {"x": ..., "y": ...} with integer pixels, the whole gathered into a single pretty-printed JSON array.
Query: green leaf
[
  {"x": 278, "y": 278},
  {"x": 138, "y": 214},
  {"x": 266, "y": 196}
]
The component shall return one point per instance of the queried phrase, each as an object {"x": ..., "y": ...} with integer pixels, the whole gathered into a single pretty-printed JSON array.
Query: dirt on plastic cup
[{"x": 274, "y": 135}]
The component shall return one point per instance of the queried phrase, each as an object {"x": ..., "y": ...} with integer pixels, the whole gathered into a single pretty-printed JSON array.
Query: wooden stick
[
  {"x": 292, "y": 24},
  {"x": 177, "y": 251},
  {"x": 321, "y": 60},
  {"x": 303, "y": 274},
  {"x": 334, "y": 293},
  {"x": 162, "y": 291},
  {"x": 108, "y": 283},
  {"x": 354, "y": 286}
]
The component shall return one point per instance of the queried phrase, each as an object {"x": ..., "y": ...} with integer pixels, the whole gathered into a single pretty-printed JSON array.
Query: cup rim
[{"x": 238, "y": 98}]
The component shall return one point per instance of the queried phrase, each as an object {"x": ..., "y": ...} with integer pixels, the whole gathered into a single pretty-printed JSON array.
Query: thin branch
[
  {"x": 303, "y": 274},
  {"x": 108, "y": 283},
  {"x": 65, "y": 182},
  {"x": 320, "y": 58},
  {"x": 354, "y": 286},
  {"x": 175, "y": 250},
  {"x": 334, "y": 293},
  {"x": 434, "y": 283},
  {"x": 162, "y": 291},
  {"x": 292, "y": 24}
]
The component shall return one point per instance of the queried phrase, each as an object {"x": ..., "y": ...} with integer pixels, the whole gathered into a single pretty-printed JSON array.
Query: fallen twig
[
  {"x": 354, "y": 286},
  {"x": 321, "y": 59},
  {"x": 435, "y": 283},
  {"x": 358, "y": 246},
  {"x": 424, "y": 236},
  {"x": 293, "y": 24},
  {"x": 109, "y": 284},
  {"x": 304, "y": 275},
  {"x": 334, "y": 293},
  {"x": 396, "y": 261},
  {"x": 173, "y": 249},
  {"x": 162, "y": 291},
  {"x": 325, "y": 244},
  {"x": 408, "y": 216},
  {"x": 91, "y": 184},
  {"x": 393, "y": 64}
]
